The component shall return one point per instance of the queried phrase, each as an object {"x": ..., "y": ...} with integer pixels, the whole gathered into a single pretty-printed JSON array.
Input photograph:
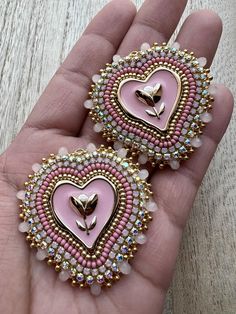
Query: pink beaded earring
[
  {"x": 154, "y": 102},
  {"x": 86, "y": 213}
]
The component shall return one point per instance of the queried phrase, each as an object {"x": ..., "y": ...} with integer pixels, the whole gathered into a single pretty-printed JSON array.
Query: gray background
[{"x": 35, "y": 37}]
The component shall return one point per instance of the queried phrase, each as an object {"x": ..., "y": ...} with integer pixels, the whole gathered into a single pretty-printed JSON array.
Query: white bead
[
  {"x": 41, "y": 254},
  {"x": 95, "y": 290},
  {"x": 36, "y": 167},
  {"x": 122, "y": 152},
  {"x": 145, "y": 46},
  {"x": 20, "y": 195},
  {"x": 212, "y": 89},
  {"x": 91, "y": 148},
  {"x": 116, "y": 58},
  {"x": 97, "y": 127},
  {"x": 117, "y": 145},
  {"x": 23, "y": 227},
  {"x": 143, "y": 174},
  {"x": 62, "y": 151},
  {"x": 141, "y": 238},
  {"x": 151, "y": 206},
  {"x": 176, "y": 45},
  {"x": 96, "y": 78},
  {"x": 125, "y": 268},
  {"x": 64, "y": 275},
  {"x": 174, "y": 164},
  {"x": 206, "y": 117},
  {"x": 142, "y": 159},
  {"x": 88, "y": 104},
  {"x": 148, "y": 89},
  {"x": 83, "y": 197},
  {"x": 196, "y": 142},
  {"x": 202, "y": 61}
]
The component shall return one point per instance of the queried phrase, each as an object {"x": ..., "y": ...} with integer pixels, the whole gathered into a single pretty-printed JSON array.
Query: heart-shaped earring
[
  {"x": 155, "y": 102},
  {"x": 85, "y": 212}
]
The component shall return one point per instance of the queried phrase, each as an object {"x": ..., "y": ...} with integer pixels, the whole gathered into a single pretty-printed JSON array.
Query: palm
[{"x": 56, "y": 121}]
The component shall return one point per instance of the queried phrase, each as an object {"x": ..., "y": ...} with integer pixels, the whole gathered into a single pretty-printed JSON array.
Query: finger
[
  {"x": 175, "y": 192},
  {"x": 155, "y": 22},
  {"x": 61, "y": 105},
  {"x": 201, "y": 33}
]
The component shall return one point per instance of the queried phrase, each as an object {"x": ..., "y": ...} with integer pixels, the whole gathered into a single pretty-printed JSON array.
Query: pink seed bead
[
  {"x": 120, "y": 227},
  {"x": 89, "y": 263},
  {"x": 59, "y": 239},
  {"x": 99, "y": 262},
  {"x": 110, "y": 242},
  {"x": 70, "y": 248},
  {"x": 76, "y": 254},
  {"x": 73, "y": 252},
  {"x": 102, "y": 259},
  {"x": 104, "y": 254},
  {"x": 115, "y": 234}
]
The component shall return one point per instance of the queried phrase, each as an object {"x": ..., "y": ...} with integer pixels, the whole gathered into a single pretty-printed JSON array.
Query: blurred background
[{"x": 35, "y": 37}]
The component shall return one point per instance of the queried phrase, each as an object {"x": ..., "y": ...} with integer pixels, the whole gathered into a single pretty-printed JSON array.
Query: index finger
[{"x": 61, "y": 105}]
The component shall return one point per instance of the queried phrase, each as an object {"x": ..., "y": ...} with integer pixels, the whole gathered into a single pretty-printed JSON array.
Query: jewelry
[
  {"x": 155, "y": 102},
  {"x": 85, "y": 212}
]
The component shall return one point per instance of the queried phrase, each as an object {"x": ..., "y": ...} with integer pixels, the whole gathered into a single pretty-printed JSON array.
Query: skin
[{"x": 59, "y": 119}]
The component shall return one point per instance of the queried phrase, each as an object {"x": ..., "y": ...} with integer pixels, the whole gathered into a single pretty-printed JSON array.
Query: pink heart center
[
  {"x": 69, "y": 217},
  {"x": 171, "y": 90}
]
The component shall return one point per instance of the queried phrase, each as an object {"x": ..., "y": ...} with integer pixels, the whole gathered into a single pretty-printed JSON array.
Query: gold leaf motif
[
  {"x": 80, "y": 225},
  {"x": 156, "y": 89},
  {"x": 156, "y": 94},
  {"x": 162, "y": 108},
  {"x": 78, "y": 205},
  {"x": 93, "y": 223},
  {"x": 91, "y": 204},
  {"x": 85, "y": 206},
  {"x": 150, "y": 113},
  {"x": 145, "y": 97}
]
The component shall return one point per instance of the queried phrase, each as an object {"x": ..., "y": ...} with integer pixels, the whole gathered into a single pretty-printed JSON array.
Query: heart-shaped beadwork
[
  {"x": 86, "y": 212},
  {"x": 171, "y": 91},
  {"x": 154, "y": 102},
  {"x": 68, "y": 216}
]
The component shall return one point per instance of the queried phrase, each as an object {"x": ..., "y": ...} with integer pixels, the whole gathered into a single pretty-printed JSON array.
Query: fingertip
[
  {"x": 127, "y": 7},
  {"x": 222, "y": 108},
  {"x": 224, "y": 96},
  {"x": 208, "y": 19},
  {"x": 201, "y": 33}
]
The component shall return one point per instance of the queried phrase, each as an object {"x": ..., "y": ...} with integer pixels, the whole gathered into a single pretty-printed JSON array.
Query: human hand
[{"x": 59, "y": 119}]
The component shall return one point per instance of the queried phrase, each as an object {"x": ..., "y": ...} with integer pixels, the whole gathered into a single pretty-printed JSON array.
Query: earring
[
  {"x": 86, "y": 212},
  {"x": 154, "y": 102}
]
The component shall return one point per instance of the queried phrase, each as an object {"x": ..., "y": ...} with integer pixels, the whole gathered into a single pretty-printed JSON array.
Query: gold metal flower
[
  {"x": 85, "y": 205},
  {"x": 151, "y": 95}
]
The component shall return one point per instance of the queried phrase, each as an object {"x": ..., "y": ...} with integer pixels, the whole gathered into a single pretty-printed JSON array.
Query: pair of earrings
[{"x": 86, "y": 211}]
